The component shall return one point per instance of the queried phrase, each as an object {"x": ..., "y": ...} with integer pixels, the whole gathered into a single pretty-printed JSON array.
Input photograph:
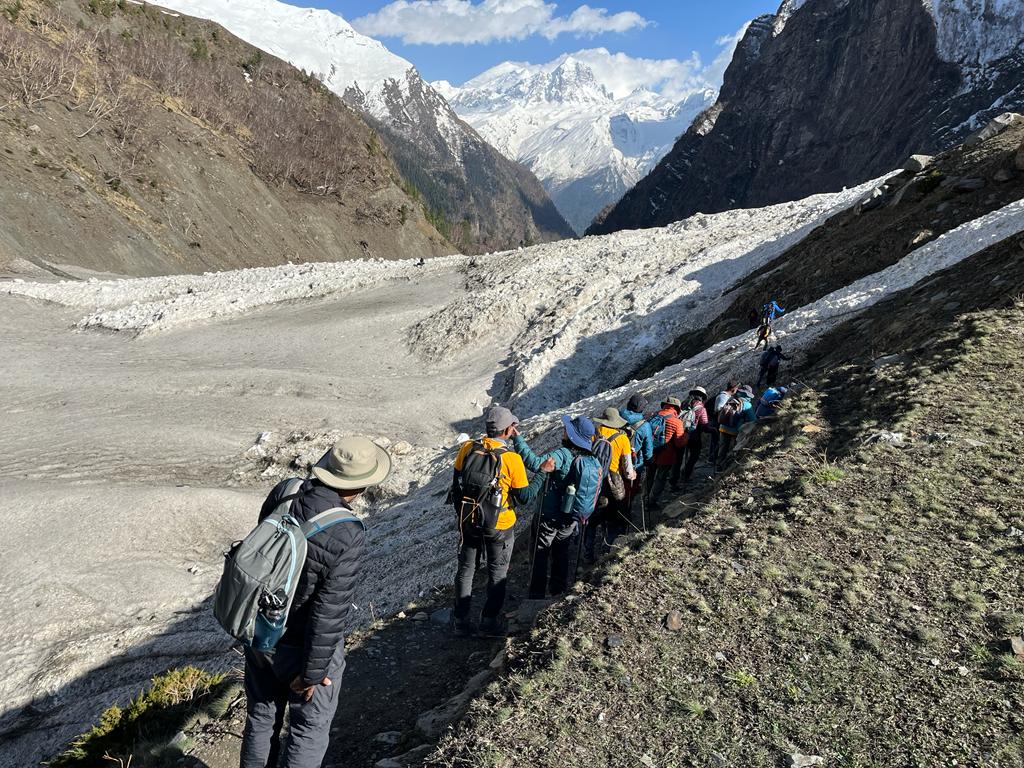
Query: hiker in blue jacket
[
  {"x": 769, "y": 403},
  {"x": 772, "y": 310},
  {"x": 642, "y": 439},
  {"x": 571, "y": 495}
]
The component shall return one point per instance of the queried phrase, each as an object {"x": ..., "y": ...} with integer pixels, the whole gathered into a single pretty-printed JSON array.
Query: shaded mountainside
[
  {"x": 911, "y": 210},
  {"x": 480, "y": 200},
  {"x": 837, "y": 92},
  {"x": 141, "y": 142}
]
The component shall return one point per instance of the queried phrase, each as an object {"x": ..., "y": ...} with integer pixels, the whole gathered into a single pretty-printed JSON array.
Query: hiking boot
[
  {"x": 493, "y": 627},
  {"x": 463, "y": 628}
]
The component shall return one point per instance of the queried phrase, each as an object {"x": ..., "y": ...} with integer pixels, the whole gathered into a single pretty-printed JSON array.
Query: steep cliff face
[{"x": 827, "y": 93}]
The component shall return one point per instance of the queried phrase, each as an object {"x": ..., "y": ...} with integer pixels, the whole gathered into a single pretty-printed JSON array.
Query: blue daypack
[
  {"x": 658, "y": 426},
  {"x": 586, "y": 474}
]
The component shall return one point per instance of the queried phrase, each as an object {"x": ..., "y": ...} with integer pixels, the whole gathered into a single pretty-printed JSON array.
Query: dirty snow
[
  {"x": 158, "y": 303},
  {"x": 602, "y": 304}
]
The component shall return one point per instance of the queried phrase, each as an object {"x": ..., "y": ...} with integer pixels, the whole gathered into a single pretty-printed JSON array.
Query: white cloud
[
  {"x": 437, "y": 22},
  {"x": 622, "y": 74}
]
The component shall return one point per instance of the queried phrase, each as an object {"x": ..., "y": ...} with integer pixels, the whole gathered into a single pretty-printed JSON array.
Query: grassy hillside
[
  {"x": 839, "y": 596},
  {"x": 138, "y": 141}
]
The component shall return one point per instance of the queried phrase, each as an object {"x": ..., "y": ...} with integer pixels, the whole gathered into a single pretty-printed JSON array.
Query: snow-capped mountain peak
[{"x": 588, "y": 124}]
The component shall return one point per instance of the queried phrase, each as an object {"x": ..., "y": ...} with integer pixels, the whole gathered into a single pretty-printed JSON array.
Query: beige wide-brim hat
[{"x": 353, "y": 463}]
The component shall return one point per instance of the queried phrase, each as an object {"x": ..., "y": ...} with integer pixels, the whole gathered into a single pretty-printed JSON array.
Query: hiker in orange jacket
[{"x": 666, "y": 454}]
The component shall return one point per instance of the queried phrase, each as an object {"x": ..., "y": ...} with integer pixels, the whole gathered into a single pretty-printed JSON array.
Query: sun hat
[
  {"x": 746, "y": 391},
  {"x": 673, "y": 402},
  {"x": 699, "y": 391},
  {"x": 499, "y": 419},
  {"x": 611, "y": 418},
  {"x": 580, "y": 431},
  {"x": 354, "y": 462}
]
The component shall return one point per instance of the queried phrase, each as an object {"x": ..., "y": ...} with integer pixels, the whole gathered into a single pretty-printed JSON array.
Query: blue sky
[{"x": 653, "y": 30}]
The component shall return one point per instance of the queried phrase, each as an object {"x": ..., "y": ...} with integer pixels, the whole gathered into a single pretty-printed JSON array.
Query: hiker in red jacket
[{"x": 666, "y": 454}]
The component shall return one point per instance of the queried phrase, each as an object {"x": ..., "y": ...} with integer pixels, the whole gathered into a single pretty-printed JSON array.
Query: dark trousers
[
  {"x": 692, "y": 452},
  {"x": 773, "y": 375},
  {"x": 268, "y": 694},
  {"x": 554, "y": 542},
  {"x": 713, "y": 443},
  {"x": 761, "y": 374},
  {"x": 725, "y": 446},
  {"x": 497, "y": 547}
]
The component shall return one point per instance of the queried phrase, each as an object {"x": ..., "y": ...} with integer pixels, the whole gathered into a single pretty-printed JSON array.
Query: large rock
[
  {"x": 917, "y": 163},
  {"x": 796, "y": 760},
  {"x": 994, "y": 128},
  {"x": 430, "y": 725},
  {"x": 1018, "y": 161},
  {"x": 412, "y": 757}
]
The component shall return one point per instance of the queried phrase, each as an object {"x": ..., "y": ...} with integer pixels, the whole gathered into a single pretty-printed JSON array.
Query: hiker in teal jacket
[
  {"x": 557, "y": 524},
  {"x": 643, "y": 437}
]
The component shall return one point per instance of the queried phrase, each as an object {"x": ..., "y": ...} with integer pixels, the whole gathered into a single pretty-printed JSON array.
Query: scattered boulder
[
  {"x": 796, "y": 760},
  {"x": 1004, "y": 175},
  {"x": 34, "y": 128},
  {"x": 442, "y": 616},
  {"x": 431, "y": 724},
  {"x": 529, "y": 610},
  {"x": 963, "y": 186},
  {"x": 994, "y": 128},
  {"x": 421, "y": 616},
  {"x": 887, "y": 361},
  {"x": 897, "y": 439},
  {"x": 614, "y": 641},
  {"x": 917, "y": 163},
  {"x": 412, "y": 757},
  {"x": 401, "y": 448},
  {"x": 922, "y": 237},
  {"x": 674, "y": 621},
  {"x": 388, "y": 738},
  {"x": 1017, "y": 646}
]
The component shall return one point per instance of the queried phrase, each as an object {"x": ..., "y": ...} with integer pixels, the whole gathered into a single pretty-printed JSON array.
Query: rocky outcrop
[{"x": 823, "y": 95}]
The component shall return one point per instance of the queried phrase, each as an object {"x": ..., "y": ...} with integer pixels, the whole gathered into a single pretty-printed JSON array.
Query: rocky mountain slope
[
  {"x": 137, "y": 142},
  {"x": 587, "y": 140},
  {"x": 478, "y": 198},
  {"x": 827, "y": 93}
]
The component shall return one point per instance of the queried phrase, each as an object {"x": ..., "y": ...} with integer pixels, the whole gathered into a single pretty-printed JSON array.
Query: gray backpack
[{"x": 261, "y": 572}]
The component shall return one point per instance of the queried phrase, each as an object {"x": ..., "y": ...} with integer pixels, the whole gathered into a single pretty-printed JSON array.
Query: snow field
[{"x": 603, "y": 305}]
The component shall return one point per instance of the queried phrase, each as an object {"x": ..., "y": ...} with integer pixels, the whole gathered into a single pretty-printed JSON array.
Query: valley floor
[{"x": 120, "y": 481}]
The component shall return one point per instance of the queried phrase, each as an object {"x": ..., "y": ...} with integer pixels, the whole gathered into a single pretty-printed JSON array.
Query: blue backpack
[
  {"x": 586, "y": 474},
  {"x": 658, "y": 425}
]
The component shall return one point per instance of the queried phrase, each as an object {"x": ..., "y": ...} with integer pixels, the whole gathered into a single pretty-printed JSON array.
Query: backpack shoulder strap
[
  {"x": 291, "y": 492},
  {"x": 327, "y": 519}
]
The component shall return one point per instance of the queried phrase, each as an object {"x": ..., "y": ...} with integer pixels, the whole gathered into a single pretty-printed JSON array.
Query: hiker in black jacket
[
  {"x": 303, "y": 673},
  {"x": 770, "y": 361}
]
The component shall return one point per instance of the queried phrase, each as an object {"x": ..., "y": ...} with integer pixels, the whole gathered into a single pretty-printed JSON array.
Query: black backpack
[{"x": 478, "y": 497}]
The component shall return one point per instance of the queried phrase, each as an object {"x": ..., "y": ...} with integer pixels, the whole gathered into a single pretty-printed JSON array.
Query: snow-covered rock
[{"x": 587, "y": 136}]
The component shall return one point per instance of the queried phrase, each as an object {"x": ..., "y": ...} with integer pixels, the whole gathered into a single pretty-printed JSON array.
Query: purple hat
[{"x": 580, "y": 431}]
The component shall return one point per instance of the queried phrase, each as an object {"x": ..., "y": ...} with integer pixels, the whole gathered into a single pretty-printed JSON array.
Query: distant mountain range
[
  {"x": 477, "y": 198},
  {"x": 588, "y": 139},
  {"x": 827, "y": 93}
]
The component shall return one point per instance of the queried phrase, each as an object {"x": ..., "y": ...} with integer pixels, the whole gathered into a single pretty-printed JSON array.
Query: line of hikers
[
  {"x": 602, "y": 473},
  {"x": 288, "y": 586}
]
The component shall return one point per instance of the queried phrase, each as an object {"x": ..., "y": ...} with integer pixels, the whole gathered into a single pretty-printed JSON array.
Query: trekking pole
[
  {"x": 579, "y": 550},
  {"x": 535, "y": 525},
  {"x": 643, "y": 502}
]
